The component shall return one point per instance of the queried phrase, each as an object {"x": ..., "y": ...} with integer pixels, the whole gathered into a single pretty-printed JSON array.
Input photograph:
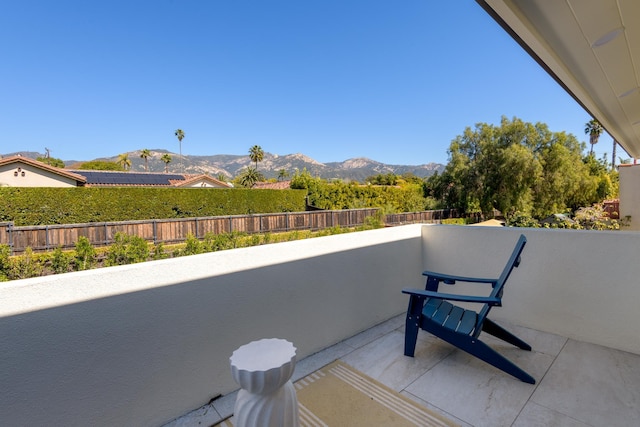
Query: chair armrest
[
  {"x": 452, "y": 297},
  {"x": 450, "y": 279}
]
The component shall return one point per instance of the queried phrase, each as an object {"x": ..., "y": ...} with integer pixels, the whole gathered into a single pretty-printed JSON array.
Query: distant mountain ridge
[{"x": 356, "y": 169}]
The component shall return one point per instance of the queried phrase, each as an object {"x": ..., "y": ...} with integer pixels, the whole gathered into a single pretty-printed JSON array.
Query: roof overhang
[{"x": 591, "y": 48}]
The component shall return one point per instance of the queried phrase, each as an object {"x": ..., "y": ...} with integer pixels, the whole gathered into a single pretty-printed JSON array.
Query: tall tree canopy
[
  {"x": 179, "y": 133},
  {"x": 594, "y": 129},
  {"x": 518, "y": 167},
  {"x": 124, "y": 161},
  {"x": 256, "y": 154},
  {"x": 166, "y": 158},
  {"x": 145, "y": 154}
]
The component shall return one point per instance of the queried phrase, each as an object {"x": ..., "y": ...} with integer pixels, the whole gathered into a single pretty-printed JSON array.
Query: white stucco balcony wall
[
  {"x": 145, "y": 343},
  {"x": 576, "y": 283},
  {"x": 142, "y": 344}
]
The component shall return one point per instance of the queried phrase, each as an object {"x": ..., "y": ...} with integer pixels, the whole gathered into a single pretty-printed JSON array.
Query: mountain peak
[{"x": 229, "y": 165}]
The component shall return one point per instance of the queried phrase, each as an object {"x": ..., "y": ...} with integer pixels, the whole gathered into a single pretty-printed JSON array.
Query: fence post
[
  {"x": 155, "y": 232},
  {"x": 10, "y": 233}
]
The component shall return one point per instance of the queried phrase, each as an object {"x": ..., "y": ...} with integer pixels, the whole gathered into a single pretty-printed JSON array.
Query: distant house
[{"x": 18, "y": 171}]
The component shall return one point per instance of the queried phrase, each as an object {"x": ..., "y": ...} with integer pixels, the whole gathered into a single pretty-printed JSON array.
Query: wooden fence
[{"x": 48, "y": 237}]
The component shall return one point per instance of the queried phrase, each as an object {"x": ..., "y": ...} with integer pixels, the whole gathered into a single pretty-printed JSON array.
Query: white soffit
[{"x": 591, "y": 47}]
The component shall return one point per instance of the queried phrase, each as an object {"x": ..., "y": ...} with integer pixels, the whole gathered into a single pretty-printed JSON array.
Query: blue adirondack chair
[{"x": 431, "y": 311}]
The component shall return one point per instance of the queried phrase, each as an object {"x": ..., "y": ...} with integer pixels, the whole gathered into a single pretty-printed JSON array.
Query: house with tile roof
[{"x": 18, "y": 171}]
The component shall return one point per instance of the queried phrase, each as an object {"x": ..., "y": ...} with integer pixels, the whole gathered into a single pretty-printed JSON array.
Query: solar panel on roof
[{"x": 128, "y": 178}]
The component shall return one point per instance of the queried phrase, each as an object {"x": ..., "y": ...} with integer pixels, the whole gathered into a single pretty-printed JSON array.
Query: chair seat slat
[
  {"x": 430, "y": 307},
  {"x": 454, "y": 318},
  {"x": 443, "y": 311},
  {"x": 468, "y": 322}
]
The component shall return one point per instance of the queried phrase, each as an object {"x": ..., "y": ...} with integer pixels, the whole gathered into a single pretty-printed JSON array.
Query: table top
[{"x": 263, "y": 354}]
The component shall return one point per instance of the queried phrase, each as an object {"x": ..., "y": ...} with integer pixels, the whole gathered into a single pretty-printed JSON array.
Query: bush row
[
  {"x": 129, "y": 249},
  {"x": 47, "y": 206}
]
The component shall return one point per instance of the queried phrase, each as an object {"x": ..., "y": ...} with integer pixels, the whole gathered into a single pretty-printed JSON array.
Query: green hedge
[{"x": 46, "y": 206}]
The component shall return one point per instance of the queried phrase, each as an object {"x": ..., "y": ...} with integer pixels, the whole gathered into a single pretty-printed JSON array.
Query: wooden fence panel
[{"x": 42, "y": 238}]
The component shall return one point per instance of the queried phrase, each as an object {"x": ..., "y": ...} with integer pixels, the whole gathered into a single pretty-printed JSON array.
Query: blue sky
[{"x": 394, "y": 81}]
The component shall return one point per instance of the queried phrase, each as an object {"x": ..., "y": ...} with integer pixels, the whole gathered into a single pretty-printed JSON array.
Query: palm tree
[
  {"x": 256, "y": 154},
  {"x": 124, "y": 161},
  {"x": 613, "y": 155},
  {"x": 145, "y": 154},
  {"x": 249, "y": 177},
  {"x": 166, "y": 158},
  {"x": 283, "y": 174},
  {"x": 594, "y": 129},
  {"x": 179, "y": 133}
]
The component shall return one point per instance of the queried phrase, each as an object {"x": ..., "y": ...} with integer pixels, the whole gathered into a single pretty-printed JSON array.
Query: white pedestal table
[{"x": 267, "y": 397}]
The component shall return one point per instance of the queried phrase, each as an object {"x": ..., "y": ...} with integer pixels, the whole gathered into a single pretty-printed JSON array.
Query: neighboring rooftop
[{"x": 113, "y": 178}]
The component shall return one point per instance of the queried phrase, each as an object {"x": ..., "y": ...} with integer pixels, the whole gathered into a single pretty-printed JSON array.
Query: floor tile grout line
[{"x": 539, "y": 382}]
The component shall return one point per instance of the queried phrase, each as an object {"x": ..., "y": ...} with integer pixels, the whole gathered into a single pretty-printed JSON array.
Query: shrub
[
  {"x": 117, "y": 252},
  {"x": 61, "y": 261},
  {"x": 521, "y": 219},
  {"x": 158, "y": 252},
  {"x": 46, "y": 205},
  {"x": 192, "y": 246},
  {"x": 137, "y": 250},
  {"x": 25, "y": 266},
  {"x": 127, "y": 250},
  {"x": 85, "y": 254},
  {"x": 5, "y": 263}
]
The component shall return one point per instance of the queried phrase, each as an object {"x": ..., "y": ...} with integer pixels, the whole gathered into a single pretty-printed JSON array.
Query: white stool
[{"x": 267, "y": 397}]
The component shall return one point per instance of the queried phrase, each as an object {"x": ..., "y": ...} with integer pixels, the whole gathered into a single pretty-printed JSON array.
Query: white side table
[{"x": 267, "y": 397}]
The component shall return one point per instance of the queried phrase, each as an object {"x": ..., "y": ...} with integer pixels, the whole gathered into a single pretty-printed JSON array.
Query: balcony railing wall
[{"x": 142, "y": 344}]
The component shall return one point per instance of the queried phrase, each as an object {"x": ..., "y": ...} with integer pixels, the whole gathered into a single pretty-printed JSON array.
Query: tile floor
[{"x": 577, "y": 384}]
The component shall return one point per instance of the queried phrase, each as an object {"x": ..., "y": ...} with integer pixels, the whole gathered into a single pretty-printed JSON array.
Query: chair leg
[
  {"x": 477, "y": 348},
  {"x": 489, "y": 355},
  {"x": 498, "y": 331},
  {"x": 412, "y": 325}
]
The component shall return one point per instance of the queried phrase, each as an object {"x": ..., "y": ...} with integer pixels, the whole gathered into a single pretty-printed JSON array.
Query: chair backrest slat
[{"x": 514, "y": 261}]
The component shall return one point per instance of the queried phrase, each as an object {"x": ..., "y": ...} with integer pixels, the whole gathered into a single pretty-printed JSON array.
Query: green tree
[
  {"x": 166, "y": 158},
  {"x": 51, "y": 161},
  {"x": 124, "y": 161},
  {"x": 383, "y": 179},
  {"x": 516, "y": 167},
  {"x": 594, "y": 129},
  {"x": 145, "y": 154},
  {"x": 179, "y": 133},
  {"x": 101, "y": 165},
  {"x": 283, "y": 174},
  {"x": 249, "y": 177},
  {"x": 256, "y": 154}
]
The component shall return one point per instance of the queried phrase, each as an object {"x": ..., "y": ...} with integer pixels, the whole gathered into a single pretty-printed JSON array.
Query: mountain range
[{"x": 356, "y": 169}]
